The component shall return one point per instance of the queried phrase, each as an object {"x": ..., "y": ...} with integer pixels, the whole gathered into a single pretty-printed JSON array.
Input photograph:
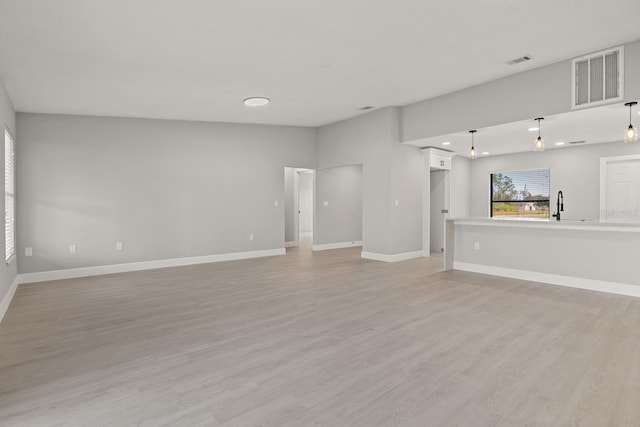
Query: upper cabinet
[{"x": 438, "y": 159}]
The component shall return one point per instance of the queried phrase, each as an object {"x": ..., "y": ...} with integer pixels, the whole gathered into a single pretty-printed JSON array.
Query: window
[
  {"x": 520, "y": 194},
  {"x": 9, "y": 197}
]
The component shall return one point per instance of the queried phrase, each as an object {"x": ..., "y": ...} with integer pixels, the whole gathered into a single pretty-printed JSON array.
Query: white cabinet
[{"x": 438, "y": 159}]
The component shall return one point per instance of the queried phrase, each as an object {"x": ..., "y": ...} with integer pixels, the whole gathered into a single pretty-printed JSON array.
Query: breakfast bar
[{"x": 592, "y": 255}]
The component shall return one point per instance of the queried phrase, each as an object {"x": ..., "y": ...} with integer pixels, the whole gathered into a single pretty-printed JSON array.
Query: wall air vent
[
  {"x": 597, "y": 78},
  {"x": 366, "y": 107},
  {"x": 519, "y": 60}
]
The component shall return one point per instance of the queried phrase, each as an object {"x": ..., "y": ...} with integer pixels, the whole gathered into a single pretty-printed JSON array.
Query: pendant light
[
  {"x": 473, "y": 154},
  {"x": 539, "y": 144},
  {"x": 631, "y": 135}
]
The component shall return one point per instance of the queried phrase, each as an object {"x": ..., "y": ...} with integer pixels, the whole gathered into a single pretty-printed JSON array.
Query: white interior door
[
  {"x": 305, "y": 200},
  {"x": 622, "y": 191}
]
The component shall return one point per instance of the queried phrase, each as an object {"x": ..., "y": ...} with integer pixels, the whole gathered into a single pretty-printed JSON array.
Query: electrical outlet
[
  {"x": 72, "y": 249},
  {"x": 119, "y": 246},
  {"x": 397, "y": 203},
  {"x": 275, "y": 203},
  {"x": 28, "y": 251},
  {"x": 250, "y": 236},
  {"x": 476, "y": 246},
  {"x": 325, "y": 203}
]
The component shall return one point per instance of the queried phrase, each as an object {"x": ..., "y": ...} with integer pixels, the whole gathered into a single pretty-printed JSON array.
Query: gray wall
[
  {"x": 391, "y": 171},
  {"x": 538, "y": 92},
  {"x": 341, "y": 220},
  {"x": 167, "y": 189},
  {"x": 460, "y": 183},
  {"x": 574, "y": 170},
  {"x": 7, "y": 119},
  {"x": 406, "y": 187}
]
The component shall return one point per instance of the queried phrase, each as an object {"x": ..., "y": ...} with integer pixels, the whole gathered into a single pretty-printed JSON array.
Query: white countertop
[{"x": 565, "y": 224}]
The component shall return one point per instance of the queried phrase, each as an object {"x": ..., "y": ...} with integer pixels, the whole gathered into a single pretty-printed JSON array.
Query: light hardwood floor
[{"x": 317, "y": 339}]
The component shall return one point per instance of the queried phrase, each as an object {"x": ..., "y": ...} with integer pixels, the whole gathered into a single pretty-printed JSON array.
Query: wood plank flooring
[{"x": 322, "y": 339}]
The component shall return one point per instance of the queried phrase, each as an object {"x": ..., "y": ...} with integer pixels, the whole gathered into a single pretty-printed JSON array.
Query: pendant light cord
[
  {"x": 538, "y": 128},
  {"x": 630, "y": 105}
]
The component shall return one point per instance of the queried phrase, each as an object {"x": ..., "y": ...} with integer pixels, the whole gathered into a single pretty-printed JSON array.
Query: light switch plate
[
  {"x": 119, "y": 246},
  {"x": 325, "y": 203},
  {"x": 72, "y": 249},
  {"x": 275, "y": 203},
  {"x": 28, "y": 251}
]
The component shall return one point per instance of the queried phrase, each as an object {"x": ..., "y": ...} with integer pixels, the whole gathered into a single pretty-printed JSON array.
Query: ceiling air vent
[
  {"x": 366, "y": 107},
  {"x": 597, "y": 78},
  {"x": 577, "y": 142},
  {"x": 519, "y": 60}
]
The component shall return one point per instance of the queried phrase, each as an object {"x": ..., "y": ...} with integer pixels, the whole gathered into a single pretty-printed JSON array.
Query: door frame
[
  {"x": 604, "y": 163},
  {"x": 296, "y": 204},
  {"x": 426, "y": 201},
  {"x": 443, "y": 215}
]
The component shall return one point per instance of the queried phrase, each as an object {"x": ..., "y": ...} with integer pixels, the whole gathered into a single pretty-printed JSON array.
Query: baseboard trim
[
  {"x": 391, "y": 258},
  {"x": 290, "y": 244},
  {"x": 72, "y": 273},
  {"x": 326, "y": 246},
  {"x": 6, "y": 300},
  {"x": 553, "y": 279}
]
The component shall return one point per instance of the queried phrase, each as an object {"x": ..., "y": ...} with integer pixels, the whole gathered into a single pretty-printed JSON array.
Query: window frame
[
  {"x": 517, "y": 217},
  {"x": 10, "y": 217}
]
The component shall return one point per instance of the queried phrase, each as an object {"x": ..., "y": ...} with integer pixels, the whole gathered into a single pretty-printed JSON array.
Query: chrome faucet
[{"x": 559, "y": 206}]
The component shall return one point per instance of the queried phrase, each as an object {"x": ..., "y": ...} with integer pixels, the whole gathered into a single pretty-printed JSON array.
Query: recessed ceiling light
[
  {"x": 532, "y": 129},
  {"x": 256, "y": 101},
  {"x": 484, "y": 153},
  {"x": 446, "y": 143},
  {"x": 559, "y": 143}
]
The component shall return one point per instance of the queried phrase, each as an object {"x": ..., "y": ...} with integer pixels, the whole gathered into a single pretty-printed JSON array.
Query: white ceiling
[
  {"x": 319, "y": 61},
  {"x": 592, "y": 125}
]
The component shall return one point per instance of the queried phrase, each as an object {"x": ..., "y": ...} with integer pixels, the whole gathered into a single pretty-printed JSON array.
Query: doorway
[
  {"x": 298, "y": 207},
  {"x": 436, "y": 199},
  {"x": 439, "y": 181}
]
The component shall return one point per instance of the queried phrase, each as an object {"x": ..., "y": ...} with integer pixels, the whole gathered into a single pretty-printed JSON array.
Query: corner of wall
[{"x": 8, "y": 272}]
